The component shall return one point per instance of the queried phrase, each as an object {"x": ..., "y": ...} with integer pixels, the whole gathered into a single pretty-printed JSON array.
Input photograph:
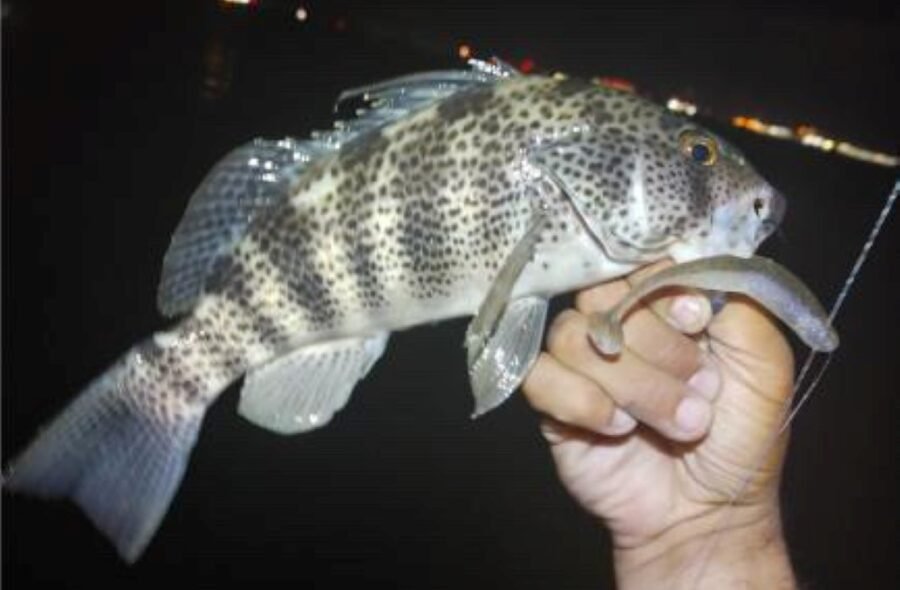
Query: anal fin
[{"x": 303, "y": 389}]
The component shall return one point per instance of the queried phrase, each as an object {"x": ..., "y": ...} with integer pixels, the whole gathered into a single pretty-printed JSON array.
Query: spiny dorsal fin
[{"x": 259, "y": 174}]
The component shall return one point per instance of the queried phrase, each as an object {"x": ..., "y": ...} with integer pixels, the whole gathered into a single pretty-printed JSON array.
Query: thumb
[{"x": 749, "y": 341}]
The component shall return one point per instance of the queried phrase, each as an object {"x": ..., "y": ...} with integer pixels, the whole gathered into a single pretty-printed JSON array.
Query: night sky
[{"x": 113, "y": 112}]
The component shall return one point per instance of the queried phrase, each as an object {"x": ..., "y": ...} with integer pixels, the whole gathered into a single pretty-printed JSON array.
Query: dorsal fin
[
  {"x": 249, "y": 179},
  {"x": 259, "y": 174}
]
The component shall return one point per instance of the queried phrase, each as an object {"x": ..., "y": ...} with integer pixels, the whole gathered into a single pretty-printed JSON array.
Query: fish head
[
  {"x": 734, "y": 208},
  {"x": 648, "y": 183}
]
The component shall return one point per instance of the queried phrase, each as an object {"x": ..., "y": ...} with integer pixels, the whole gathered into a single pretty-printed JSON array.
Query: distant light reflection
[{"x": 217, "y": 69}]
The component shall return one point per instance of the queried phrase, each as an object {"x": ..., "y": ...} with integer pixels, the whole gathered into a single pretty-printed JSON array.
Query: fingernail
[
  {"x": 686, "y": 312},
  {"x": 706, "y": 382},
  {"x": 620, "y": 423},
  {"x": 693, "y": 415}
]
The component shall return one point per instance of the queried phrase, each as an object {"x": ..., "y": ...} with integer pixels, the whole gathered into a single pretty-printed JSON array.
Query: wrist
[{"x": 729, "y": 547}]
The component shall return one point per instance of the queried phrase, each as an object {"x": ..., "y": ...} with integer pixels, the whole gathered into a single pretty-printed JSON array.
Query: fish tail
[{"x": 120, "y": 449}]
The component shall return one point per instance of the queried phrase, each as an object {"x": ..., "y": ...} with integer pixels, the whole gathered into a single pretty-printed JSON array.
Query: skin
[{"x": 656, "y": 441}]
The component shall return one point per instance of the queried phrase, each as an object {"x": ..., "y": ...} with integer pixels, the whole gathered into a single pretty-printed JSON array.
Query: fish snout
[
  {"x": 770, "y": 208},
  {"x": 777, "y": 208}
]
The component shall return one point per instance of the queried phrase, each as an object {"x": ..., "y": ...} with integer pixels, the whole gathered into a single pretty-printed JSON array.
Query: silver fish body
[{"x": 458, "y": 193}]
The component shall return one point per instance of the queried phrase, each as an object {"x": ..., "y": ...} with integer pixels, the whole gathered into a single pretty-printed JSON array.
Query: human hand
[{"x": 658, "y": 440}]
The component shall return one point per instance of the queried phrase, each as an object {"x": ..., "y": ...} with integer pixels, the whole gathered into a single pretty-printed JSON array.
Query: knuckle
[
  {"x": 585, "y": 301},
  {"x": 600, "y": 298},
  {"x": 567, "y": 332},
  {"x": 680, "y": 355},
  {"x": 589, "y": 409}
]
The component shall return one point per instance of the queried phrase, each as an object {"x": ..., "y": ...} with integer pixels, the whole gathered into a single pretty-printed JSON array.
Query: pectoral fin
[
  {"x": 492, "y": 308},
  {"x": 509, "y": 354},
  {"x": 504, "y": 338},
  {"x": 303, "y": 389}
]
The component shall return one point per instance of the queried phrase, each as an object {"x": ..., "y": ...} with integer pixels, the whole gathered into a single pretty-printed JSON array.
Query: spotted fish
[{"x": 479, "y": 192}]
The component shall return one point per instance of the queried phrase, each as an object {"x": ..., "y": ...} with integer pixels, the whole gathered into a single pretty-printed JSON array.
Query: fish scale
[{"x": 480, "y": 192}]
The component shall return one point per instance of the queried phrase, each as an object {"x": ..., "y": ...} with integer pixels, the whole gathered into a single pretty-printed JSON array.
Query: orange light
[
  {"x": 464, "y": 51},
  {"x": 617, "y": 83},
  {"x": 755, "y": 125},
  {"x": 739, "y": 121}
]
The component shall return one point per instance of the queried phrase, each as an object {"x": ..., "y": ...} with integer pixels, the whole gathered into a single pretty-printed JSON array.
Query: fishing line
[{"x": 835, "y": 308}]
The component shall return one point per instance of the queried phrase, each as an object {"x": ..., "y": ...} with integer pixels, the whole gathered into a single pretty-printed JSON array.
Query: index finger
[{"x": 648, "y": 333}]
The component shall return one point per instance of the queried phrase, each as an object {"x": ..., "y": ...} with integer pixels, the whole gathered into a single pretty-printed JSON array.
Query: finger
[
  {"x": 606, "y": 295},
  {"x": 648, "y": 335},
  {"x": 570, "y": 398},
  {"x": 664, "y": 402},
  {"x": 688, "y": 311}
]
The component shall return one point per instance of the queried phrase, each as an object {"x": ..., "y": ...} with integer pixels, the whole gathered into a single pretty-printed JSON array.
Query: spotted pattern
[{"x": 404, "y": 219}]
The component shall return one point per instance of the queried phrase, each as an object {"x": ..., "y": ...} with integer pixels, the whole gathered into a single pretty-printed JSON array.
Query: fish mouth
[
  {"x": 775, "y": 211},
  {"x": 777, "y": 208}
]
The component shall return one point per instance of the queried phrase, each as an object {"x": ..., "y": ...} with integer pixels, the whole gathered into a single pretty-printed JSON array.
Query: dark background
[{"x": 113, "y": 112}]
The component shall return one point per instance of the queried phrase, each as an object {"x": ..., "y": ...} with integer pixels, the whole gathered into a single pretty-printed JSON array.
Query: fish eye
[{"x": 700, "y": 148}]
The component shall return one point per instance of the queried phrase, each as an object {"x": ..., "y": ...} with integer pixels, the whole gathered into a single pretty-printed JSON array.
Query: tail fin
[{"x": 120, "y": 449}]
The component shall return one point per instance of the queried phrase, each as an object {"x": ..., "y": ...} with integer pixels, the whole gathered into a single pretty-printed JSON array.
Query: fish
[{"x": 474, "y": 192}]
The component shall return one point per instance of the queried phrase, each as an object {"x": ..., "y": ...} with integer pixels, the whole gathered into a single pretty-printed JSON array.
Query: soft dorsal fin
[
  {"x": 249, "y": 179},
  {"x": 260, "y": 174}
]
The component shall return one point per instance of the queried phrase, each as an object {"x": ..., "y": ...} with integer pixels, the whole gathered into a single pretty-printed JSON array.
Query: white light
[
  {"x": 301, "y": 14},
  {"x": 681, "y": 106},
  {"x": 779, "y": 131}
]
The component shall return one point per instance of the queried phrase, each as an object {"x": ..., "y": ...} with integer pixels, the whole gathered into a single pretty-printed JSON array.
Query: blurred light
[
  {"x": 780, "y": 131},
  {"x": 218, "y": 66},
  {"x": 464, "y": 51},
  {"x": 755, "y": 125},
  {"x": 559, "y": 76},
  {"x": 616, "y": 83},
  {"x": 240, "y": 2},
  {"x": 681, "y": 106},
  {"x": 526, "y": 66},
  {"x": 858, "y": 153},
  {"x": 302, "y": 14}
]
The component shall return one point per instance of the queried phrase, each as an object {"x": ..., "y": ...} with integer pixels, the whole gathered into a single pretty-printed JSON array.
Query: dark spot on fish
[
  {"x": 362, "y": 149},
  {"x": 149, "y": 350},
  {"x": 465, "y": 103},
  {"x": 670, "y": 122},
  {"x": 572, "y": 86},
  {"x": 221, "y": 270}
]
